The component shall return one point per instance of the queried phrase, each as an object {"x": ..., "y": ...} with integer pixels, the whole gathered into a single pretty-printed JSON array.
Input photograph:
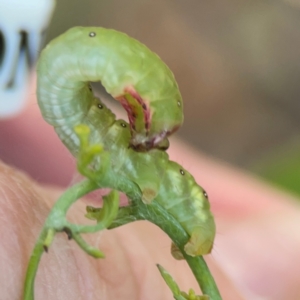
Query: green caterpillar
[
  {"x": 66, "y": 100},
  {"x": 127, "y": 69}
]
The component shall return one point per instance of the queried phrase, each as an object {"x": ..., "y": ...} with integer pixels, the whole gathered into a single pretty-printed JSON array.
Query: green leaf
[
  {"x": 177, "y": 294},
  {"x": 170, "y": 282}
]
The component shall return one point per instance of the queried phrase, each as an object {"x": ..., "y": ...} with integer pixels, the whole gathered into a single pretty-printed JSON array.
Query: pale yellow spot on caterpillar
[
  {"x": 148, "y": 195},
  {"x": 198, "y": 243}
]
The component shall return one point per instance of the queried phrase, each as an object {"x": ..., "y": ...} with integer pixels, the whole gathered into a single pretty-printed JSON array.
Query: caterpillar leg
[{"x": 176, "y": 253}]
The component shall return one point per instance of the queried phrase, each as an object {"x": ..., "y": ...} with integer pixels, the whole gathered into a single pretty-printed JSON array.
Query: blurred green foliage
[{"x": 282, "y": 167}]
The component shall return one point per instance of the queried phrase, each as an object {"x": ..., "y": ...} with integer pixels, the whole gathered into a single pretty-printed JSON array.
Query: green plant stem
[
  {"x": 87, "y": 248},
  {"x": 136, "y": 211},
  {"x": 160, "y": 217},
  {"x": 59, "y": 209},
  {"x": 56, "y": 221},
  {"x": 203, "y": 276},
  {"x": 33, "y": 266},
  {"x": 157, "y": 215}
]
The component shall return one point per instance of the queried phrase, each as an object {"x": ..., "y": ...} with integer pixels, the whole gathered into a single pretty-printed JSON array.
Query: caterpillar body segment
[
  {"x": 183, "y": 198},
  {"x": 127, "y": 69}
]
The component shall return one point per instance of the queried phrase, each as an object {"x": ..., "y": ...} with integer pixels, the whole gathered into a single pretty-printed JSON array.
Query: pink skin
[{"x": 255, "y": 253}]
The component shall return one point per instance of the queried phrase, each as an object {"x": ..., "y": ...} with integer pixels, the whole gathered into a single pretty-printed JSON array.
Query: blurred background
[{"x": 237, "y": 64}]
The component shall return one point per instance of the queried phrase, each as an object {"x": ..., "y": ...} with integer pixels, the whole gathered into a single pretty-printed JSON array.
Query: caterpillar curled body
[
  {"x": 159, "y": 179},
  {"x": 127, "y": 69},
  {"x": 151, "y": 97}
]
